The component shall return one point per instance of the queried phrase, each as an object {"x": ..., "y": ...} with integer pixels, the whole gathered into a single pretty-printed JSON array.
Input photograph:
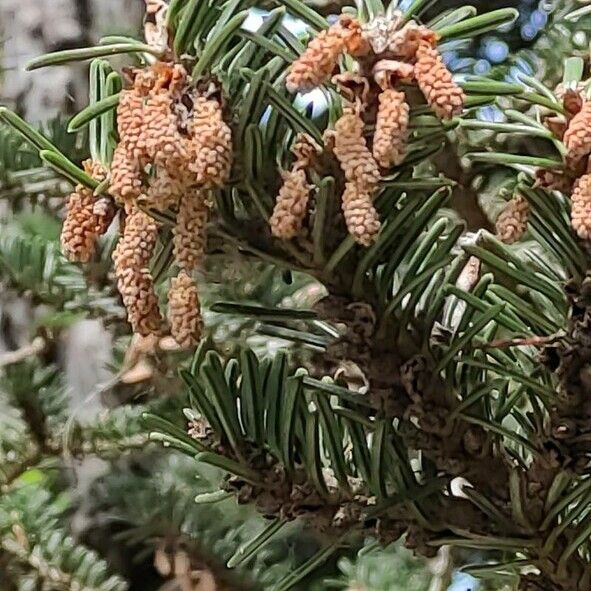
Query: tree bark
[{"x": 32, "y": 27}]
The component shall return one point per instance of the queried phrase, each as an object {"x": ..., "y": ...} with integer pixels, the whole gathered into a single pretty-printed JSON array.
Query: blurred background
[{"x": 77, "y": 325}]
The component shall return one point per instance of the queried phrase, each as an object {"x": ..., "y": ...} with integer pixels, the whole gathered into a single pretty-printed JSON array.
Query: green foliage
[
  {"x": 412, "y": 375},
  {"x": 168, "y": 501},
  {"x": 389, "y": 569},
  {"x": 31, "y": 532}
]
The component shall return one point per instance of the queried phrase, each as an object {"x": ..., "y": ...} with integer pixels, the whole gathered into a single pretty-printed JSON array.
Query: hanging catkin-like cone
[
  {"x": 511, "y": 224},
  {"x": 362, "y": 219},
  {"x": 129, "y": 156},
  {"x": 184, "y": 311},
  {"x": 389, "y": 141},
  {"x": 210, "y": 153},
  {"x": 362, "y": 175},
  {"x": 190, "y": 232},
  {"x": 292, "y": 202},
  {"x": 581, "y": 207},
  {"x": 352, "y": 152},
  {"x": 87, "y": 218},
  {"x": 443, "y": 95},
  {"x": 315, "y": 66},
  {"x": 131, "y": 260},
  {"x": 149, "y": 134},
  {"x": 577, "y": 137},
  {"x": 291, "y": 206},
  {"x": 163, "y": 143}
]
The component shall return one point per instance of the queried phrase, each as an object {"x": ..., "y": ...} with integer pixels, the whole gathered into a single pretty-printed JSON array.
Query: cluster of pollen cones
[
  {"x": 573, "y": 127},
  {"x": 387, "y": 52},
  {"x": 174, "y": 148}
]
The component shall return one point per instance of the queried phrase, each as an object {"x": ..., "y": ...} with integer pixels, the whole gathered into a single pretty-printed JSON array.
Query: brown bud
[
  {"x": 87, "y": 218},
  {"x": 577, "y": 137},
  {"x": 511, "y": 225},
  {"x": 315, "y": 66},
  {"x": 210, "y": 157}
]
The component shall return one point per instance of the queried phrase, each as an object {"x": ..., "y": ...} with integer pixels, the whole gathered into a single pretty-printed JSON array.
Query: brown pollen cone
[
  {"x": 129, "y": 157},
  {"x": 135, "y": 283},
  {"x": 577, "y": 137},
  {"x": 162, "y": 141},
  {"x": 360, "y": 215},
  {"x": 163, "y": 189},
  {"x": 443, "y": 95},
  {"x": 315, "y": 66},
  {"x": 581, "y": 207},
  {"x": 190, "y": 232},
  {"x": 511, "y": 224},
  {"x": 352, "y": 152},
  {"x": 361, "y": 174},
  {"x": 184, "y": 311},
  {"x": 292, "y": 204},
  {"x": 305, "y": 149},
  {"x": 87, "y": 218},
  {"x": 210, "y": 154},
  {"x": 389, "y": 141}
]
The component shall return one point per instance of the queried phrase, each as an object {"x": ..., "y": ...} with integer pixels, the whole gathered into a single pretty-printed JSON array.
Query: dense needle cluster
[{"x": 387, "y": 50}]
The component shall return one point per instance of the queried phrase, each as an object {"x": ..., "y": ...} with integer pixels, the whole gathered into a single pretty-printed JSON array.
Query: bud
[
  {"x": 511, "y": 225},
  {"x": 129, "y": 157},
  {"x": 210, "y": 154},
  {"x": 351, "y": 150},
  {"x": 315, "y": 66},
  {"x": 164, "y": 189},
  {"x": 305, "y": 149},
  {"x": 161, "y": 140},
  {"x": 355, "y": 42}
]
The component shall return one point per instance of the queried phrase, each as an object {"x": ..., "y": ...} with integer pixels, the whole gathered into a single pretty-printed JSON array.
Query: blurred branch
[{"x": 11, "y": 357}]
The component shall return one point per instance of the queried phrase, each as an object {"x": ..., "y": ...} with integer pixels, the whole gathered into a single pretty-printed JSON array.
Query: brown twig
[
  {"x": 532, "y": 341},
  {"x": 35, "y": 348}
]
